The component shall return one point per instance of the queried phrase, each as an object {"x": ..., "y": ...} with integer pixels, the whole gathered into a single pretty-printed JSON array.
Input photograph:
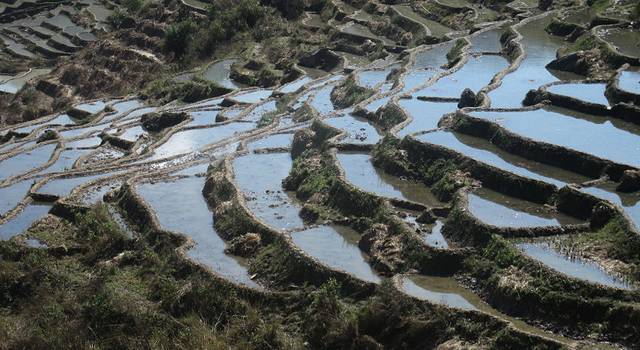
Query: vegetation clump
[
  {"x": 79, "y": 278},
  {"x": 516, "y": 284},
  {"x": 614, "y": 242},
  {"x": 188, "y": 91},
  {"x": 304, "y": 113},
  {"x": 349, "y": 93},
  {"x": 389, "y": 116},
  {"x": 442, "y": 175},
  {"x": 159, "y": 121},
  {"x": 388, "y": 156},
  {"x": 226, "y": 19},
  {"x": 179, "y": 37},
  {"x": 95, "y": 286},
  {"x": 261, "y": 74},
  {"x": 455, "y": 54},
  {"x": 291, "y": 9}
]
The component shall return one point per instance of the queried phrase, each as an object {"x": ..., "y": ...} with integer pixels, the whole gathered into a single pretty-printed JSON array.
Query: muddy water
[
  {"x": 434, "y": 57},
  {"x": 626, "y": 41},
  {"x": 500, "y": 210},
  {"x": 66, "y": 160},
  {"x": 376, "y": 104},
  {"x": 571, "y": 266},
  {"x": 257, "y": 113},
  {"x": 253, "y": 96},
  {"x": 135, "y": 115},
  {"x": 133, "y": 133},
  {"x": 63, "y": 119},
  {"x": 295, "y": 85},
  {"x": 259, "y": 174},
  {"x": 11, "y": 195},
  {"x": 485, "y": 152},
  {"x": 447, "y": 291},
  {"x": 439, "y": 290},
  {"x": 593, "y": 93},
  {"x": 374, "y": 77},
  {"x": 630, "y": 81},
  {"x": 219, "y": 72},
  {"x": 122, "y": 107},
  {"x": 88, "y": 142},
  {"x": 63, "y": 186},
  {"x": 487, "y": 41},
  {"x": 60, "y": 21},
  {"x": 360, "y": 172},
  {"x": 601, "y": 140},
  {"x": 95, "y": 194},
  {"x": 82, "y": 131},
  {"x": 434, "y": 237},
  {"x": 180, "y": 207},
  {"x": 322, "y": 100},
  {"x": 17, "y": 49},
  {"x": 425, "y": 114},
  {"x": 629, "y": 202},
  {"x": 21, "y": 222},
  {"x": 417, "y": 78},
  {"x": 540, "y": 49},
  {"x": 428, "y": 63},
  {"x": 101, "y": 155},
  {"x": 26, "y": 161},
  {"x": 273, "y": 141},
  {"x": 92, "y": 108},
  {"x": 194, "y": 139},
  {"x": 336, "y": 246},
  {"x": 259, "y": 177},
  {"x": 12, "y": 86},
  {"x": 482, "y": 68},
  {"x": 359, "y": 131}
]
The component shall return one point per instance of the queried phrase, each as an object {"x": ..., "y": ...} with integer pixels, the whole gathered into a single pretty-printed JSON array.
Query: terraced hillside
[{"x": 329, "y": 174}]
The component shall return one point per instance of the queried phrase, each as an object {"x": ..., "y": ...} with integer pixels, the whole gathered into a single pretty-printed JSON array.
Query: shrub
[
  {"x": 598, "y": 5},
  {"x": 229, "y": 17},
  {"x": 266, "y": 119},
  {"x": 179, "y": 37},
  {"x": 189, "y": 91},
  {"x": 119, "y": 19},
  {"x": 349, "y": 93},
  {"x": 323, "y": 312},
  {"x": 277, "y": 30},
  {"x": 29, "y": 94},
  {"x": 132, "y": 6},
  {"x": 389, "y": 116},
  {"x": 454, "y": 55},
  {"x": 290, "y": 8},
  {"x": 435, "y": 171}
]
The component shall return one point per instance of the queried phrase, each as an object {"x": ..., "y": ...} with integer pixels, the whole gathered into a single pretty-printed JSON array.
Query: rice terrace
[{"x": 319, "y": 174}]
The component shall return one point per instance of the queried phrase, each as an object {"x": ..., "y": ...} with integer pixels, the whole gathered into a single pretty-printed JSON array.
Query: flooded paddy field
[{"x": 428, "y": 158}]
